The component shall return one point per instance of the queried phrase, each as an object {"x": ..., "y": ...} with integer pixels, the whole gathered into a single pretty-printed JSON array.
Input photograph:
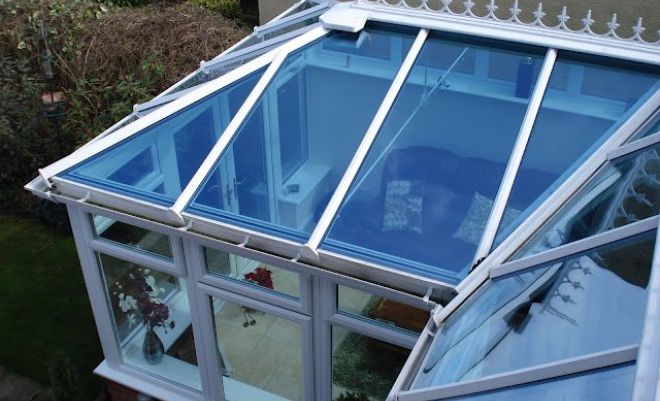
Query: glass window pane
[
  {"x": 363, "y": 366},
  {"x": 255, "y": 273},
  {"x": 158, "y": 162},
  {"x": 422, "y": 197},
  {"x": 623, "y": 193},
  {"x": 261, "y": 353},
  {"x": 288, "y": 157},
  {"x": 553, "y": 312},
  {"x": 391, "y": 313},
  {"x": 585, "y": 104},
  {"x": 135, "y": 237},
  {"x": 152, "y": 320},
  {"x": 613, "y": 384}
]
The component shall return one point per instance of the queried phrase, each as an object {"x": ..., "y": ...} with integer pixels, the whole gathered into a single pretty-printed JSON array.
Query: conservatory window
[
  {"x": 285, "y": 190},
  {"x": 261, "y": 354},
  {"x": 261, "y": 275},
  {"x": 364, "y": 365},
  {"x": 158, "y": 162},
  {"x": 586, "y": 102},
  {"x": 545, "y": 314},
  {"x": 424, "y": 192},
  {"x": 390, "y": 313},
  {"x": 131, "y": 236},
  {"x": 152, "y": 320}
]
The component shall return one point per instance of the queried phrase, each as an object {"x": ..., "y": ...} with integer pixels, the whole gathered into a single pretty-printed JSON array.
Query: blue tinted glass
[
  {"x": 584, "y": 105},
  {"x": 422, "y": 197},
  {"x": 626, "y": 192},
  {"x": 285, "y": 161},
  {"x": 612, "y": 384},
  {"x": 157, "y": 163},
  {"x": 559, "y": 310}
]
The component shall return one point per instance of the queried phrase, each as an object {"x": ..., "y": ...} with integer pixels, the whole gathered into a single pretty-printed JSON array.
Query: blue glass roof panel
[
  {"x": 156, "y": 164},
  {"x": 586, "y": 102},
  {"x": 286, "y": 160},
  {"x": 422, "y": 196},
  {"x": 545, "y": 314}
]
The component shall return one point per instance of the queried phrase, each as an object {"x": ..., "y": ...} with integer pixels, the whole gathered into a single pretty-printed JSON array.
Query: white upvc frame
[
  {"x": 635, "y": 146},
  {"x": 237, "y": 121},
  {"x": 305, "y": 322},
  {"x": 528, "y": 375},
  {"x": 515, "y": 160},
  {"x": 368, "y": 139},
  {"x": 647, "y": 374},
  {"x": 113, "y": 368}
]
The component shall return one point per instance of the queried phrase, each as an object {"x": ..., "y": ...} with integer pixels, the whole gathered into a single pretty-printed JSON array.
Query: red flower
[{"x": 261, "y": 276}]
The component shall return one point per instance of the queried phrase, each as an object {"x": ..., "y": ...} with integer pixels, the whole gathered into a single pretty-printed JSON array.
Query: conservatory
[{"x": 377, "y": 201}]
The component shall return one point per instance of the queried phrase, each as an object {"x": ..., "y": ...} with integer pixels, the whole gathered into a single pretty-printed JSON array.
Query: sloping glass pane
[
  {"x": 285, "y": 161},
  {"x": 612, "y": 384},
  {"x": 578, "y": 306},
  {"x": 422, "y": 197},
  {"x": 157, "y": 163},
  {"x": 623, "y": 193},
  {"x": 585, "y": 104}
]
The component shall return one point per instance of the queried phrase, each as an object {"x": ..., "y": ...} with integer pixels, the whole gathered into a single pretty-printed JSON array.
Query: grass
[{"x": 44, "y": 309}]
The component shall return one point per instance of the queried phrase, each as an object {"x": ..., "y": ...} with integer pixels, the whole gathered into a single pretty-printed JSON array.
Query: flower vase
[{"x": 152, "y": 347}]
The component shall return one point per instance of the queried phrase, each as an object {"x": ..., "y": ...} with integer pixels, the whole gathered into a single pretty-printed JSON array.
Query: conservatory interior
[{"x": 378, "y": 201}]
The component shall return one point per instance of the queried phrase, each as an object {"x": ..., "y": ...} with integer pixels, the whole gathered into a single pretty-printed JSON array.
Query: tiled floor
[{"x": 266, "y": 355}]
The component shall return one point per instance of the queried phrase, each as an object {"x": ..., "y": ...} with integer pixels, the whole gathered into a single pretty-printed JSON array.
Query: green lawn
[{"x": 44, "y": 307}]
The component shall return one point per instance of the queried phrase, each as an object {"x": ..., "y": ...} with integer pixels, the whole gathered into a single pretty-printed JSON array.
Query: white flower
[
  {"x": 131, "y": 320},
  {"x": 127, "y": 303}
]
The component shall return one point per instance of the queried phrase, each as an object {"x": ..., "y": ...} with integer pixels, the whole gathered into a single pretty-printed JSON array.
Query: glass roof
[
  {"x": 585, "y": 103},
  {"x": 286, "y": 159},
  {"x": 546, "y": 314},
  {"x": 623, "y": 193},
  {"x": 424, "y": 191},
  {"x": 411, "y": 205},
  {"x": 158, "y": 162}
]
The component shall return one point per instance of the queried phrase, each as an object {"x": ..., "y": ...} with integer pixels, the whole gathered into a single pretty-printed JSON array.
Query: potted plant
[
  {"x": 263, "y": 278},
  {"x": 139, "y": 298}
]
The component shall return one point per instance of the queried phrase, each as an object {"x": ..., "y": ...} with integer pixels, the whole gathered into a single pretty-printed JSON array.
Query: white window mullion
[
  {"x": 547, "y": 371},
  {"x": 500, "y": 202},
  {"x": 239, "y": 118},
  {"x": 361, "y": 153}
]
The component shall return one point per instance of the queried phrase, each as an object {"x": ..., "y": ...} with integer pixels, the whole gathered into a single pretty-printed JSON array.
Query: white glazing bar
[
  {"x": 242, "y": 113},
  {"x": 634, "y": 146},
  {"x": 565, "y": 191},
  {"x": 369, "y": 137},
  {"x": 572, "y": 248},
  {"x": 516, "y": 158},
  {"x": 647, "y": 375},
  {"x": 532, "y": 374},
  {"x": 151, "y": 119}
]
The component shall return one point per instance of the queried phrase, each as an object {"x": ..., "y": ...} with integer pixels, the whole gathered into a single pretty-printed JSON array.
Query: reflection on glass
[
  {"x": 362, "y": 366},
  {"x": 585, "y": 104},
  {"x": 546, "y": 314},
  {"x": 159, "y": 161},
  {"x": 286, "y": 160},
  {"x": 261, "y": 354},
  {"x": 391, "y": 313},
  {"x": 253, "y": 272},
  {"x": 422, "y": 197},
  {"x": 131, "y": 236},
  {"x": 152, "y": 320},
  {"x": 613, "y": 384},
  {"x": 626, "y": 192}
]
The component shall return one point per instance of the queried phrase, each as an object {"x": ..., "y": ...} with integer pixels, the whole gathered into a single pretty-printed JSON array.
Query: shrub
[
  {"x": 228, "y": 8},
  {"x": 352, "y": 396}
]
